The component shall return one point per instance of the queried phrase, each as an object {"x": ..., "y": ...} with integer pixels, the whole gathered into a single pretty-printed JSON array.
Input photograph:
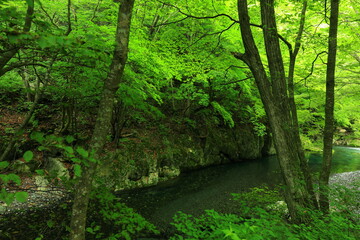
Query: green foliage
[
  {"x": 4, "y": 164},
  {"x": 8, "y": 178},
  {"x": 267, "y": 224},
  {"x": 213, "y": 225},
  {"x": 114, "y": 220},
  {"x": 76, "y": 154},
  {"x": 208, "y": 226},
  {"x": 224, "y": 113},
  {"x": 256, "y": 198}
]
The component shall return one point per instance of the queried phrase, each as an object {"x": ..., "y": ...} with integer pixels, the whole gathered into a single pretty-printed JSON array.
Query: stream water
[{"x": 211, "y": 188}]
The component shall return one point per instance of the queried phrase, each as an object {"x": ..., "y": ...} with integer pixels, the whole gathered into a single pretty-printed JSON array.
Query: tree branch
[
  {"x": 192, "y": 16},
  {"x": 312, "y": 67},
  {"x": 241, "y": 80},
  {"x": 17, "y": 65}
]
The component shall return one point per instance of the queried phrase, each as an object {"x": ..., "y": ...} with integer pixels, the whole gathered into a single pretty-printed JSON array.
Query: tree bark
[
  {"x": 274, "y": 95},
  {"x": 102, "y": 126},
  {"x": 329, "y": 107}
]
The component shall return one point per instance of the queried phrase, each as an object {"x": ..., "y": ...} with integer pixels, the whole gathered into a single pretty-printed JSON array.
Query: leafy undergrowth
[
  {"x": 108, "y": 219},
  {"x": 266, "y": 222}
]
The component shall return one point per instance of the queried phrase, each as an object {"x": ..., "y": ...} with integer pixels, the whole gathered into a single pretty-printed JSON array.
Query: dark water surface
[{"x": 211, "y": 188}]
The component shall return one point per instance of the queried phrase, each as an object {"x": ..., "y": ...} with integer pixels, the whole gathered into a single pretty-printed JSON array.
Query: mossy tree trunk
[
  {"x": 329, "y": 107},
  {"x": 274, "y": 95},
  {"x": 102, "y": 126}
]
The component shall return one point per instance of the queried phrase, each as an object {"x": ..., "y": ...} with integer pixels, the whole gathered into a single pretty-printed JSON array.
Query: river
[{"x": 211, "y": 188}]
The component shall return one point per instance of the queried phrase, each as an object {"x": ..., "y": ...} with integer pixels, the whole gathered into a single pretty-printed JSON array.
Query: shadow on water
[{"x": 211, "y": 188}]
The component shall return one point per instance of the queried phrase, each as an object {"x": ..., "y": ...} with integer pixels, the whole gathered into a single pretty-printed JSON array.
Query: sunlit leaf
[
  {"x": 77, "y": 170},
  {"x": 82, "y": 152},
  {"x": 21, "y": 196},
  {"x": 28, "y": 156},
  {"x": 4, "y": 164}
]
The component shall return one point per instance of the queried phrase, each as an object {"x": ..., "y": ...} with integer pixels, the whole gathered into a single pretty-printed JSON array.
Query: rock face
[{"x": 138, "y": 164}]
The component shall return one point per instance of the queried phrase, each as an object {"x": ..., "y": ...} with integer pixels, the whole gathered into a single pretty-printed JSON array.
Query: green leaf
[
  {"x": 82, "y": 152},
  {"x": 6, "y": 197},
  {"x": 69, "y": 139},
  {"x": 50, "y": 223},
  {"x": 77, "y": 170},
  {"x": 4, "y": 165},
  {"x": 10, "y": 177},
  {"x": 42, "y": 148},
  {"x": 37, "y": 136},
  {"x": 69, "y": 149},
  {"x": 76, "y": 160},
  {"x": 28, "y": 156},
  {"x": 21, "y": 196},
  {"x": 40, "y": 172}
]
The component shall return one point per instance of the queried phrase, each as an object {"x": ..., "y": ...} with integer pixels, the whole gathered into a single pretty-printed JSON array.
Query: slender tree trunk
[
  {"x": 102, "y": 126},
  {"x": 274, "y": 95},
  {"x": 8, "y": 55},
  {"x": 329, "y": 107},
  {"x": 291, "y": 90},
  {"x": 29, "y": 114}
]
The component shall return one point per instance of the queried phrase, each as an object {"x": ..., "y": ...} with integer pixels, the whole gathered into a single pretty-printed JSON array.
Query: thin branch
[
  {"x": 349, "y": 70},
  {"x": 95, "y": 10},
  {"x": 233, "y": 66},
  {"x": 18, "y": 65},
  {"x": 357, "y": 57},
  {"x": 197, "y": 17},
  {"x": 47, "y": 14},
  {"x": 288, "y": 44},
  {"x": 241, "y": 80},
  {"x": 312, "y": 67},
  {"x": 69, "y": 29}
]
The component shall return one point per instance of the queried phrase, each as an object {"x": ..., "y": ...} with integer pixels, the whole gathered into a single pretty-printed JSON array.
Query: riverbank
[
  {"x": 162, "y": 201},
  {"x": 41, "y": 196}
]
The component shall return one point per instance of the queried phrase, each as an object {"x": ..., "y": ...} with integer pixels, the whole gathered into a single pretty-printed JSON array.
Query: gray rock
[
  {"x": 41, "y": 183},
  {"x": 56, "y": 168}
]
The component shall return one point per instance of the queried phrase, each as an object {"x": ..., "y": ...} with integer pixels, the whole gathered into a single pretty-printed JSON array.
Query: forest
[{"x": 106, "y": 103}]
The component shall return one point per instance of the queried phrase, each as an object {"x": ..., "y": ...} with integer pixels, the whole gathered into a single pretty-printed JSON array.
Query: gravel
[{"x": 41, "y": 194}]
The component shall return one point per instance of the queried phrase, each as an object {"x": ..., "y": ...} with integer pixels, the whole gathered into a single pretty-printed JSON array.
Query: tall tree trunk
[
  {"x": 291, "y": 90},
  {"x": 102, "y": 126},
  {"x": 329, "y": 107},
  {"x": 274, "y": 95}
]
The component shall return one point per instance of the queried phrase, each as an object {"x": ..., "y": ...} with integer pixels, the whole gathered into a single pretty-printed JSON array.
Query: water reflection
[
  {"x": 210, "y": 188},
  {"x": 345, "y": 159}
]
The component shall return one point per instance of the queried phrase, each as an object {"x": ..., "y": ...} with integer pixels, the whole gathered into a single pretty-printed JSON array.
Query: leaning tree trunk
[
  {"x": 329, "y": 108},
  {"x": 102, "y": 126},
  {"x": 274, "y": 95}
]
